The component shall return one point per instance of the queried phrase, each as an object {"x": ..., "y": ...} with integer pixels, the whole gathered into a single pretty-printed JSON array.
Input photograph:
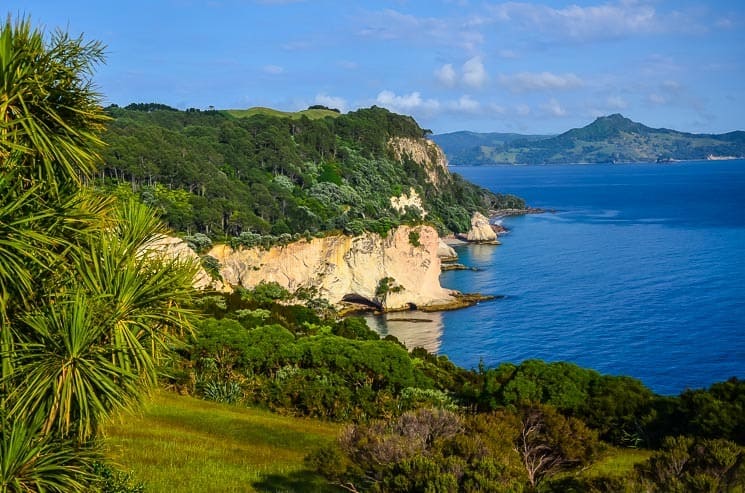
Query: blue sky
[{"x": 529, "y": 67}]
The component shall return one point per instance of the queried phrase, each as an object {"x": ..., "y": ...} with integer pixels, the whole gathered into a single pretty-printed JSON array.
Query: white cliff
[
  {"x": 446, "y": 252},
  {"x": 344, "y": 268},
  {"x": 423, "y": 152},
  {"x": 481, "y": 231}
]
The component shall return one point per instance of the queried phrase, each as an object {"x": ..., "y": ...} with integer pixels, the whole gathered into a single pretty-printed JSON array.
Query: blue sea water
[{"x": 640, "y": 271}]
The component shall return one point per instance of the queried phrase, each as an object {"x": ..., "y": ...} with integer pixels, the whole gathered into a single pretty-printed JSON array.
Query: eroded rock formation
[
  {"x": 481, "y": 231},
  {"x": 423, "y": 152},
  {"x": 446, "y": 252},
  {"x": 389, "y": 272}
]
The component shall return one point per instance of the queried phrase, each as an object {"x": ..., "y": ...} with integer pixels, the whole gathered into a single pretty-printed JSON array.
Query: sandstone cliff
[
  {"x": 423, "y": 152},
  {"x": 385, "y": 272},
  {"x": 176, "y": 248}
]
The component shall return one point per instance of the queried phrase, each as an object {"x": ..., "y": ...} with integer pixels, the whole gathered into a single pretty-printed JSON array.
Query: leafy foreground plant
[{"x": 86, "y": 308}]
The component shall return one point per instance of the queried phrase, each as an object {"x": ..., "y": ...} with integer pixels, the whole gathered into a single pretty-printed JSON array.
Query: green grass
[
  {"x": 182, "y": 444},
  {"x": 311, "y": 114},
  {"x": 617, "y": 462}
]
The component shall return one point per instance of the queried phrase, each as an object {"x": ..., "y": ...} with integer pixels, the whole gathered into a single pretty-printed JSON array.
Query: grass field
[
  {"x": 311, "y": 114},
  {"x": 617, "y": 462},
  {"x": 182, "y": 444}
]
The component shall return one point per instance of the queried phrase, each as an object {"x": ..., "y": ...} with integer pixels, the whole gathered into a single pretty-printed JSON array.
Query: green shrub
[{"x": 414, "y": 238}]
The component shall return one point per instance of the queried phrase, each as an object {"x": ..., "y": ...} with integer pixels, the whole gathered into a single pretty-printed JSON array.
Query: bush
[
  {"x": 224, "y": 392},
  {"x": 111, "y": 480}
]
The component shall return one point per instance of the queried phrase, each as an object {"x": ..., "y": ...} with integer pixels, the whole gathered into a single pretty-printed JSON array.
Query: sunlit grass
[
  {"x": 182, "y": 444},
  {"x": 618, "y": 462},
  {"x": 313, "y": 114}
]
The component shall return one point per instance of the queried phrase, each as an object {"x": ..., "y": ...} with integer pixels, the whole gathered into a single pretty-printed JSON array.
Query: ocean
[{"x": 639, "y": 270}]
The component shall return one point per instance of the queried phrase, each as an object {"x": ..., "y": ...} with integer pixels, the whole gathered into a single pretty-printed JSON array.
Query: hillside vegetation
[
  {"x": 266, "y": 172},
  {"x": 608, "y": 139},
  {"x": 182, "y": 444}
]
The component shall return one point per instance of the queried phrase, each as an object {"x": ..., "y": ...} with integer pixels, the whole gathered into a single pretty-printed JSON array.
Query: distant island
[{"x": 609, "y": 139}]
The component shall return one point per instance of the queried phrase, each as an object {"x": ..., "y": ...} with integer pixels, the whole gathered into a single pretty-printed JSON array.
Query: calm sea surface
[{"x": 640, "y": 272}]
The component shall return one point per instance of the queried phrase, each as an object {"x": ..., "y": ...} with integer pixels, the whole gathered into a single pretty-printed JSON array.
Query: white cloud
[
  {"x": 273, "y": 69},
  {"x": 332, "y": 101},
  {"x": 446, "y": 75},
  {"x": 540, "y": 81},
  {"x": 522, "y": 110},
  {"x": 616, "y": 103},
  {"x": 671, "y": 85},
  {"x": 296, "y": 45},
  {"x": 497, "y": 109},
  {"x": 581, "y": 23},
  {"x": 553, "y": 107},
  {"x": 407, "y": 103},
  {"x": 390, "y": 24},
  {"x": 474, "y": 73},
  {"x": 349, "y": 65},
  {"x": 656, "y": 98},
  {"x": 508, "y": 54},
  {"x": 465, "y": 104}
]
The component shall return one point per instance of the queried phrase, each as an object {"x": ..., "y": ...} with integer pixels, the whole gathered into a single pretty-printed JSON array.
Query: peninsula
[{"x": 609, "y": 139}]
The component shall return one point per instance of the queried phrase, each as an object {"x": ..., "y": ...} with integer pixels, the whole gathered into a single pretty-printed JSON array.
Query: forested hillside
[
  {"x": 608, "y": 139},
  {"x": 270, "y": 173}
]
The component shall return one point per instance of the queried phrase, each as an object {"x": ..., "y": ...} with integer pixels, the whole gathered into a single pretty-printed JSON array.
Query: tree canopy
[{"x": 212, "y": 173}]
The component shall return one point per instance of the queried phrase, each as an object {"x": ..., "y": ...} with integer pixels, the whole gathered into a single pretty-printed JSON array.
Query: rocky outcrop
[
  {"x": 388, "y": 272},
  {"x": 481, "y": 231},
  {"x": 169, "y": 248},
  {"x": 425, "y": 153},
  {"x": 446, "y": 252},
  {"x": 410, "y": 201}
]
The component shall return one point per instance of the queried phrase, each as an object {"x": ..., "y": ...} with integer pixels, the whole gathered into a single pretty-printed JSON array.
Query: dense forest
[{"x": 267, "y": 173}]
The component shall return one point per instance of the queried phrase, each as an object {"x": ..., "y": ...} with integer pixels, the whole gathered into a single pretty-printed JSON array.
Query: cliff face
[
  {"x": 175, "y": 248},
  {"x": 389, "y": 272},
  {"x": 423, "y": 152}
]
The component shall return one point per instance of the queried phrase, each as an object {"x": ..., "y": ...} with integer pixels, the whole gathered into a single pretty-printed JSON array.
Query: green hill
[
  {"x": 612, "y": 138},
  {"x": 466, "y": 147},
  {"x": 313, "y": 113},
  {"x": 265, "y": 172}
]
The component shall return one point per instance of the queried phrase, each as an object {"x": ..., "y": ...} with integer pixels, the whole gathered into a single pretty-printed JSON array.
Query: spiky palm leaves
[
  {"x": 50, "y": 117},
  {"x": 86, "y": 307},
  {"x": 30, "y": 461}
]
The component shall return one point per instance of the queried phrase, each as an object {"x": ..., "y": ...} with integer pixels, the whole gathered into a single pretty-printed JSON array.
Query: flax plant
[{"x": 88, "y": 305}]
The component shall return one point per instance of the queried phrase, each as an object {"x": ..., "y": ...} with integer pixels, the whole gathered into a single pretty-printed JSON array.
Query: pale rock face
[
  {"x": 481, "y": 230},
  {"x": 423, "y": 152},
  {"x": 341, "y": 267},
  {"x": 413, "y": 199},
  {"x": 176, "y": 248},
  {"x": 445, "y": 251}
]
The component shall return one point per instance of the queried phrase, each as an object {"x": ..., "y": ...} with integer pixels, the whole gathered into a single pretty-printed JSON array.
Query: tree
[
  {"x": 693, "y": 464},
  {"x": 87, "y": 305},
  {"x": 549, "y": 442}
]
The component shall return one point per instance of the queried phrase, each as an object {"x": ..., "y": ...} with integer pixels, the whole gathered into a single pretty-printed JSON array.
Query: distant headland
[{"x": 609, "y": 139}]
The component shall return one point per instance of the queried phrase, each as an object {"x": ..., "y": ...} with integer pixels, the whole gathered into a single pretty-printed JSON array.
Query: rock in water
[
  {"x": 446, "y": 252},
  {"x": 481, "y": 231}
]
